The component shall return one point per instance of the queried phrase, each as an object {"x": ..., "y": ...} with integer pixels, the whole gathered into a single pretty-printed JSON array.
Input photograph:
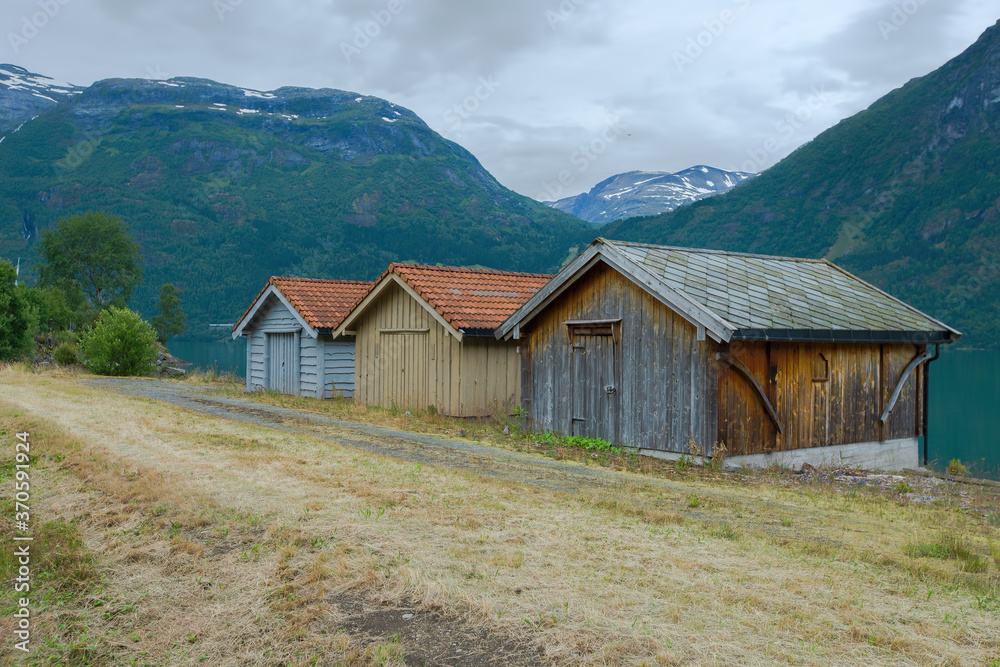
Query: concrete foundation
[
  {"x": 890, "y": 456},
  {"x": 670, "y": 456}
]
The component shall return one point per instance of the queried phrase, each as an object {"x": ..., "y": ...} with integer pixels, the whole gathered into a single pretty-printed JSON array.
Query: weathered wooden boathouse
[
  {"x": 425, "y": 338},
  {"x": 290, "y": 343},
  {"x": 765, "y": 360}
]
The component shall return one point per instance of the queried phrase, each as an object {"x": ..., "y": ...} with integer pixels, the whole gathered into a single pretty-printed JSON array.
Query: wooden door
[
  {"x": 283, "y": 360},
  {"x": 406, "y": 366},
  {"x": 595, "y": 386}
]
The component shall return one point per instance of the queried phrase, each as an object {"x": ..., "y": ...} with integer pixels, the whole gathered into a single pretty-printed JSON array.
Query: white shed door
[{"x": 283, "y": 361}]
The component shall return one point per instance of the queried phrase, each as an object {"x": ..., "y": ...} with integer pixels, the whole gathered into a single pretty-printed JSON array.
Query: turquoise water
[
  {"x": 964, "y": 401},
  {"x": 226, "y": 356},
  {"x": 965, "y": 411}
]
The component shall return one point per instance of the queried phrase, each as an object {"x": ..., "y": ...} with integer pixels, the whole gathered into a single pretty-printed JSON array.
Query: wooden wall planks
[
  {"x": 406, "y": 359},
  {"x": 671, "y": 391},
  {"x": 843, "y": 409},
  {"x": 667, "y": 381}
]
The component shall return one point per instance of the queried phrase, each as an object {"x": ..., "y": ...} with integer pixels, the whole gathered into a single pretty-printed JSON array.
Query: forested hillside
[
  {"x": 224, "y": 187},
  {"x": 906, "y": 194}
]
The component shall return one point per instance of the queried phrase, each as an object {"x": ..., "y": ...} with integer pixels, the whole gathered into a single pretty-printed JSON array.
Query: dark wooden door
[{"x": 595, "y": 387}]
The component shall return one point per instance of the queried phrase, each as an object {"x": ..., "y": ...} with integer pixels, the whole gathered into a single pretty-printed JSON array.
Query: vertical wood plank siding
[
  {"x": 841, "y": 408},
  {"x": 401, "y": 365},
  {"x": 667, "y": 390},
  {"x": 671, "y": 390}
]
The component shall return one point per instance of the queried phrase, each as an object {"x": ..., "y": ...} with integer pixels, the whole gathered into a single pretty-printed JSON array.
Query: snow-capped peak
[{"x": 639, "y": 193}]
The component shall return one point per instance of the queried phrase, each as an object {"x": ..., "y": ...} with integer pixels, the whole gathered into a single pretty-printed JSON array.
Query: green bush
[
  {"x": 65, "y": 354},
  {"x": 120, "y": 344},
  {"x": 589, "y": 444}
]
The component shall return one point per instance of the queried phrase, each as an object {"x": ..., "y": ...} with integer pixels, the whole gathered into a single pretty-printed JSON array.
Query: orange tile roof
[
  {"x": 323, "y": 304},
  {"x": 470, "y": 299}
]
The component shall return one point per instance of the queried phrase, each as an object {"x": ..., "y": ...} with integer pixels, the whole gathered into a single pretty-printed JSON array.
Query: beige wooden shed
[{"x": 425, "y": 337}]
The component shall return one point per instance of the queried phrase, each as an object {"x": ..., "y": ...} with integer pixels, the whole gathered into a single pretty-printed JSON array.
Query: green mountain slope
[
  {"x": 906, "y": 194},
  {"x": 224, "y": 187}
]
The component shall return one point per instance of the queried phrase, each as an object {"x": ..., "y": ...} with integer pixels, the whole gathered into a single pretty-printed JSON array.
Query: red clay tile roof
[
  {"x": 470, "y": 299},
  {"x": 323, "y": 304}
]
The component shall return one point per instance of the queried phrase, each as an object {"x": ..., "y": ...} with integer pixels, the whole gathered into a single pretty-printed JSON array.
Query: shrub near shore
[{"x": 121, "y": 344}]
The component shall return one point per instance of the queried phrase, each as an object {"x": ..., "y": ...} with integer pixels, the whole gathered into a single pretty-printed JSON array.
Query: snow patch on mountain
[
  {"x": 24, "y": 94},
  {"x": 17, "y": 78}
]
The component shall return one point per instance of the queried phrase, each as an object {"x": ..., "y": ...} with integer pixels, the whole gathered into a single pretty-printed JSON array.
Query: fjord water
[
  {"x": 221, "y": 356},
  {"x": 964, "y": 400},
  {"x": 965, "y": 411}
]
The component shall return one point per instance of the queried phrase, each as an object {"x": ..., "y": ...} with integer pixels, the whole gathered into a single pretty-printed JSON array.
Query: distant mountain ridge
[
  {"x": 225, "y": 186},
  {"x": 26, "y": 94},
  {"x": 643, "y": 193},
  {"x": 906, "y": 194}
]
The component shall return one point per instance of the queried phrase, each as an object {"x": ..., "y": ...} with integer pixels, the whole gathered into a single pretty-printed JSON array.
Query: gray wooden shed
[{"x": 290, "y": 343}]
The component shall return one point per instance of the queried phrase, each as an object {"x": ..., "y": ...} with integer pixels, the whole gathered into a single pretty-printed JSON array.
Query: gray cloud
[
  {"x": 891, "y": 42},
  {"x": 712, "y": 82}
]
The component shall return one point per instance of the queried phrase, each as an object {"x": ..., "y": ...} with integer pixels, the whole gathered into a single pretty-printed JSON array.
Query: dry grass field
[{"x": 166, "y": 536}]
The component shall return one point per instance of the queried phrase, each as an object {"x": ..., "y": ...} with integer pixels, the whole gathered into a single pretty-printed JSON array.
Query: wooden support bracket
[
  {"x": 742, "y": 369},
  {"x": 917, "y": 360}
]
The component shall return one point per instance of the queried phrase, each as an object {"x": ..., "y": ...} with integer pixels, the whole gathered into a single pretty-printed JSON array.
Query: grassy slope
[
  {"x": 219, "y": 202},
  {"x": 906, "y": 194},
  {"x": 213, "y": 540}
]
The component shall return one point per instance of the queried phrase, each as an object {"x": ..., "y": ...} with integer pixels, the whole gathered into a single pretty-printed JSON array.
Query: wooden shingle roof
[
  {"x": 322, "y": 304},
  {"x": 755, "y": 292},
  {"x": 740, "y": 295}
]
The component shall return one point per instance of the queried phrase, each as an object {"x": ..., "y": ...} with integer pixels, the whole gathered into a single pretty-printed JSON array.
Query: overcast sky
[{"x": 534, "y": 88}]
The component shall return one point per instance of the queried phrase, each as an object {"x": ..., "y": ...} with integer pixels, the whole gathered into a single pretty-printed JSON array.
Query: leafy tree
[
  {"x": 95, "y": 251},
  {"x": 170, "y": 321},
  {"x": 120, "y": 344},
  {"x": 53, "y": 308},
  {"x": 15, "y": 325}
]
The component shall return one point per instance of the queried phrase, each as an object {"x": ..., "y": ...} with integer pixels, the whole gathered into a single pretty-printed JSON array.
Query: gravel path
[
  {"x": 431, "y": 450},
  {"x": 456, "y": 454}
]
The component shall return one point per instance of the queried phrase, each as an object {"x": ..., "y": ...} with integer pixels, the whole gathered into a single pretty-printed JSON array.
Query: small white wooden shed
[{"x": 290, "y": 344}]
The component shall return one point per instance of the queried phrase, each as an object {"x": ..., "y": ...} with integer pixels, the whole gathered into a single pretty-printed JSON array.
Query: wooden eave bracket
[
  {"x": 917, "y": 360},
  {"x": 751, "y": 379}
]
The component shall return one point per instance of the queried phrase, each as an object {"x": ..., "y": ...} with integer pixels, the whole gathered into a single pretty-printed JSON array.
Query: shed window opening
[
  {"x": 820, "y": 369},
  {"x": 593, "y": 331},
  {"x": 597, "y": 328}
]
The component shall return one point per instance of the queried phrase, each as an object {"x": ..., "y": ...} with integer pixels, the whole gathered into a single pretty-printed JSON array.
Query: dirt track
[
  {"x": 450, "y": 453},
  {"x": 424, "y": 449}
]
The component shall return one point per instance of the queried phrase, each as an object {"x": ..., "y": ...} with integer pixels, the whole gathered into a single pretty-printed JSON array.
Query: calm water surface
[
  {"x": 223, "y": 357},
  {"x": 964, "y": 410}
]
